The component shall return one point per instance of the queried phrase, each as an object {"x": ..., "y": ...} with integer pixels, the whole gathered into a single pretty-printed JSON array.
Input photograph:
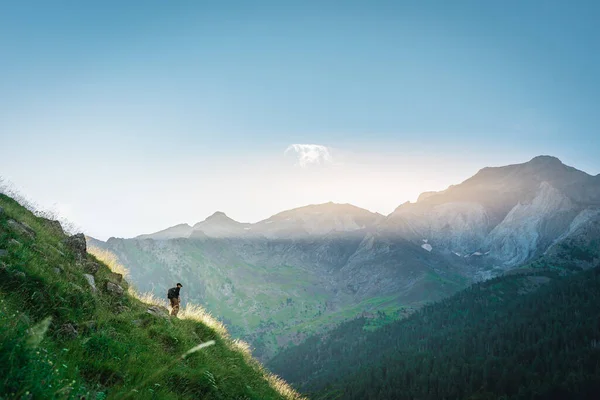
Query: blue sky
[{"x": 130, "y": 116}]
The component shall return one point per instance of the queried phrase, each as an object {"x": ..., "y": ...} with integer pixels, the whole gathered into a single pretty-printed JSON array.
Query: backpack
[{"x": 171, "y": 293}]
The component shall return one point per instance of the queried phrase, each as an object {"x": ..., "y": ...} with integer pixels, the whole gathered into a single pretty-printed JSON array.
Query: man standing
[{"x": 173, "y": 295}]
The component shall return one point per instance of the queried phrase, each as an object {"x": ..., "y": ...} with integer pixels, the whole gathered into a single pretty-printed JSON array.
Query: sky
[{"x": 129, "y": 117}]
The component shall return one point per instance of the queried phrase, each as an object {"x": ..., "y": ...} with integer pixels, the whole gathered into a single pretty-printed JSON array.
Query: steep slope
[{"x": 69, "y": 329}]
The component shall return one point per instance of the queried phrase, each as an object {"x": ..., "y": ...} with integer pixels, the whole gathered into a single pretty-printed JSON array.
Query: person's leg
[
  {"x": 173, "y": 306},
  {"x": 176, "y": 307}
]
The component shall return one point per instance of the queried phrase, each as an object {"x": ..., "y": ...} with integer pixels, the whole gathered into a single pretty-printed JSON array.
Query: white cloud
[{"x": 310, "y": 154}]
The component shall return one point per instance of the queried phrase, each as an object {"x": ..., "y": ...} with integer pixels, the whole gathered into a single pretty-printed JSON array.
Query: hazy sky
[{"x": 129, "y": 117}]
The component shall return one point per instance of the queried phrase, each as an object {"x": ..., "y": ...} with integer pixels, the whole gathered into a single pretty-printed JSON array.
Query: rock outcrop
[
  {"x": 158, "y": 311},
  {"x": 78, "y": 245},
  {"x": 21, "y": 228},
  {"x": 91, "y": 281},
  {"x": 114, "y": 289},
  {"x": 91, "y": 267},
  {"x": 54, "y": 226}
]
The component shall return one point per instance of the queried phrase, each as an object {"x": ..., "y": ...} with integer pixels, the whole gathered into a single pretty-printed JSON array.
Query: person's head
[{"x": 179, "y": 285}]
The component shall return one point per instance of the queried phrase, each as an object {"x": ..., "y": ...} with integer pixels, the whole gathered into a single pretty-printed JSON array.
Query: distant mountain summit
[
  {"x": 501, "y": 186},
  {"x": 219, "y": 225},
  {"x": 316, "y": 220}
]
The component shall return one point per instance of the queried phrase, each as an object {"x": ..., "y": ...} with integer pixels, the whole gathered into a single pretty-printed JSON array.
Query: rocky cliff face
[
  {"x": 529, "y": 229},
  {"x": 504, "y": 216}
]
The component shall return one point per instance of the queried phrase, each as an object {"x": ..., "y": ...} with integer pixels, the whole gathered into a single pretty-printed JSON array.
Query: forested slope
[{"x": 530, "y": 336}]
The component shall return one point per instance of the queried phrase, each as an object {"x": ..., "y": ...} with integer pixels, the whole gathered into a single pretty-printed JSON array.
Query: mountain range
[
  {"x": 312, "y": 220},
  {"x": 304, "y": 270}
]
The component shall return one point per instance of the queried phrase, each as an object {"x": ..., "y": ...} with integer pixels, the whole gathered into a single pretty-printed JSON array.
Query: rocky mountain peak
[
  {"x": 218, "y": 216},
  {"x": 218, "y": 225},
  {"x": 546, "y": 160},
  {"x": 317, "y": 219}
]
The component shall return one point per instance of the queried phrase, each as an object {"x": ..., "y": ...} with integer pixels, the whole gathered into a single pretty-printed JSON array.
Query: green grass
[
  {"x": 385, "y": 309},
  {"x": 113, "y": 355}
]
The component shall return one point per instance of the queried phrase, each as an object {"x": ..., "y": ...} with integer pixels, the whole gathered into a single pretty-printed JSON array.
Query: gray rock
[
  {"x": 68, "y": 331},
  {"x": 114, "y": 277},
  {"x": 3, "y": 252},
  {"x": 114, "y": 289},
  {"x": 137, "y": 322},
  {"x": 21, "y": 228},
  {"x": 92, "y": 267},
  {"x": 28, "y": 228},
  {"x": 118, "y": 279},
  {"x": 54, "y": 225},
  {"x": 77, "y": 244},
  {"x": 90, "y": 279},
  {"x": 57, "y": 270},
  {"x": 158, "y": 311}
]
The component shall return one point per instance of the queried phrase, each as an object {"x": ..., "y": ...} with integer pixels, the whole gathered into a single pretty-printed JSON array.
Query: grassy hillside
[{"x": 62, "y": 338}]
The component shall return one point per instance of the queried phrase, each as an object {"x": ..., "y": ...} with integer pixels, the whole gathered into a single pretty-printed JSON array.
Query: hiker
[{"x": 173, "y": 296}]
